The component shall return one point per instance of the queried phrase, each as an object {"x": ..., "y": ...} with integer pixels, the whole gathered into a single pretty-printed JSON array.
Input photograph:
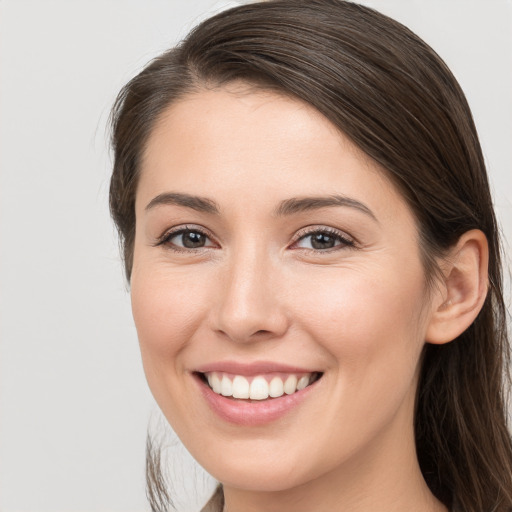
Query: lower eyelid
[{"x": 339, "y": 246}]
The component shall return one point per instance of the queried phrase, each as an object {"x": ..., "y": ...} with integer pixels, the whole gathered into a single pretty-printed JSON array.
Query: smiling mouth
[{"x": 259, "y": 387}]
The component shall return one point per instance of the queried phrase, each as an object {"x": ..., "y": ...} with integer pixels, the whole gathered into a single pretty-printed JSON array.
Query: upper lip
[{"x": 250, "y": 369}]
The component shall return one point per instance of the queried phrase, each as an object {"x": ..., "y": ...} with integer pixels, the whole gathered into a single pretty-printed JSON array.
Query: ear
[{"x": 463, "y": 289}]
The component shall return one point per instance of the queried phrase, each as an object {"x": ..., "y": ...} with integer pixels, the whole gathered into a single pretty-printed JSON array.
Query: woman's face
[{"x": 271, "y": 253}]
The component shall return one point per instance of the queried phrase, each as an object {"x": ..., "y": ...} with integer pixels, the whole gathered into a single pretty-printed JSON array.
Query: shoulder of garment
[{"x": 216, "y": 502}]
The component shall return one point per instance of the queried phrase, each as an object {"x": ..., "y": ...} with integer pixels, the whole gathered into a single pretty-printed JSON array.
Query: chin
[
  {"x": 260, "y": 477},
  {"x": 261, "y": 468}
]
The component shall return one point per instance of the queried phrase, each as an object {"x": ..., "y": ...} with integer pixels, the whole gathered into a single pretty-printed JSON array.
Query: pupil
[
  {"x": 193, "y": 239},
  {"x": 322, "y": 241}
]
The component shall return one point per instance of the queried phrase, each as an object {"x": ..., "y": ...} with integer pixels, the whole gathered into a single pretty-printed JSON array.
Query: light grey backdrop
[{"x": 74, "y": 404}]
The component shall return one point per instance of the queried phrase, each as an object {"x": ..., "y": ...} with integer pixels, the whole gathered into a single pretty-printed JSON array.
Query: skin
[{"x": 258, "y": 290}]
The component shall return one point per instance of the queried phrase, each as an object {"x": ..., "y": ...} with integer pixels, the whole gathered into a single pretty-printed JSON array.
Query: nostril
[{"x": 261, "y": 332}]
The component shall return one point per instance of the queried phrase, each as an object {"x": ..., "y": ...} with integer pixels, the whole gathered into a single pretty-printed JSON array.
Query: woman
[{"x": 314, "y": 264}]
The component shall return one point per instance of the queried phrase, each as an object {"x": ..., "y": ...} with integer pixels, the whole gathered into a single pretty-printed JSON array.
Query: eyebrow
[
  {"x": 305, "y": 204},
  {"x": 200, "y": 204},
  {"x": 286, "y": 207}
]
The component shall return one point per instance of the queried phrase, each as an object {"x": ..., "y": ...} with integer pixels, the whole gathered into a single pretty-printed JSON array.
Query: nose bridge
[{"x": 249, "y": 306}]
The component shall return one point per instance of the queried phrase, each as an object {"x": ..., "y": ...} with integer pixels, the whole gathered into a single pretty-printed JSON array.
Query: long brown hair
[{"x": 393, "y": 96}]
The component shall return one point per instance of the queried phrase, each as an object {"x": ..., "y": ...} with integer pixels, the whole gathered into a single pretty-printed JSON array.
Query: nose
[{"x": 249, "y": 305}]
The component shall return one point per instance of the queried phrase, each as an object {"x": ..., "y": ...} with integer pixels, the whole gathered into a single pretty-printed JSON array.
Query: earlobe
[{"x": 463, "y": 290}]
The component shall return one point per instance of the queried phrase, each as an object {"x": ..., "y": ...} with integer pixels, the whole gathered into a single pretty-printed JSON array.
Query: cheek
[
  {"x": 372, "y": 332},
  {"x": 367, "y": 318},
  {"x": 167, "y": 309}
]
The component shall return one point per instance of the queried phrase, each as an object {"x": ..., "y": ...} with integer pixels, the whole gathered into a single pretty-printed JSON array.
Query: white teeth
[
  {"x": 240, "y": 387},
  {"x": 303, "y": 382},
  {"x": 276, "y": 388},
  {"x": 259, "y": 389},
  {"x": 290, "y": 386},
  {"x": 215, "y": 383},
  {"x": 226, "y": 386}
]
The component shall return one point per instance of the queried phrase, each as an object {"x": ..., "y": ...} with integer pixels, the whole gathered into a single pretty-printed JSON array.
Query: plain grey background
[{"x": 74, "y": 404}]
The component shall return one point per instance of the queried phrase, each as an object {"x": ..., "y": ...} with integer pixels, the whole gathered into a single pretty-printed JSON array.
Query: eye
[
  {"x": 323, "y": 240},
  {"x": 186, "y": 238}
]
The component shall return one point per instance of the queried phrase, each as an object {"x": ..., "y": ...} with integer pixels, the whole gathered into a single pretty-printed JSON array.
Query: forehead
[{"x": 243, "y": 116}]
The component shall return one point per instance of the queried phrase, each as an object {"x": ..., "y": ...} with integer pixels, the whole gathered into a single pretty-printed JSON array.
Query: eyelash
[{"x": 345, "y": 242}]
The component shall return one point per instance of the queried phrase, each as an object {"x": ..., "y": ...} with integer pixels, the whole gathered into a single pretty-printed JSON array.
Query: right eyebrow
[{"x": 200, "y": 204}]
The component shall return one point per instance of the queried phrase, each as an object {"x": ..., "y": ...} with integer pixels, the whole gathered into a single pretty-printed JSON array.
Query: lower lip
[{"x": 253, "y": 413}]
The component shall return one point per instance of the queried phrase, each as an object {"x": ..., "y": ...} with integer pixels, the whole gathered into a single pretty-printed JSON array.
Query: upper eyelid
[{"x": 309, "y": 230}]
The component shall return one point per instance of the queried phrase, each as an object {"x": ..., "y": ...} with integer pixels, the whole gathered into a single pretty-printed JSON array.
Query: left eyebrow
[{"x": 305, "y": 204}]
